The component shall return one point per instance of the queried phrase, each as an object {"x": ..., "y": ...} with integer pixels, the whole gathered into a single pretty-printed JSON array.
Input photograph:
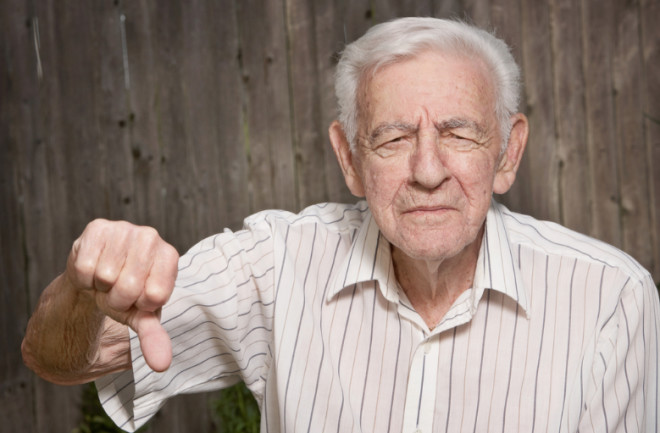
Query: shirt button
[{"x": 427, "y": 350}]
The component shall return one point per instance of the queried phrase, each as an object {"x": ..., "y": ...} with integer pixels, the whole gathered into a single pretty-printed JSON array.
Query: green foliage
[
  {"x": 236, "y": 411},
  {"x": 95, "y": 419}
]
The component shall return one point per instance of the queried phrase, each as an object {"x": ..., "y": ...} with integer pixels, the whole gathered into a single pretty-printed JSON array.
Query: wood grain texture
[
  {"x": 632, "y": 154},
  {"x": 542, "y": 156},
  {"x": 305, "y": 103},
  {"x": 650, "y": 13},
  {"x": 266, "y": 103},
  {"x": 334, "y": 23},
  {"x": 188, "y": 116},
  {"x": 17, "y": 77},
  {"x": 507, "y": 24},
  {"x": 569, "y": 111},
  {"x": 605, "y": 219}
]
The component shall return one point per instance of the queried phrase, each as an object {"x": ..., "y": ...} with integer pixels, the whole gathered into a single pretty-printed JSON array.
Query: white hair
[{"x": 404, "y": 38}]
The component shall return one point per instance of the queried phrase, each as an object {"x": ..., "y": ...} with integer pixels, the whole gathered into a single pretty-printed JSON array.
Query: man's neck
[{"x": 432, "y": 286}]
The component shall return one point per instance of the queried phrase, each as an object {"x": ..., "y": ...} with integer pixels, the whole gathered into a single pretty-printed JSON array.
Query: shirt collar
[
  {"x": 370, "y": 259},
  {"x": 497, "y": 267}
]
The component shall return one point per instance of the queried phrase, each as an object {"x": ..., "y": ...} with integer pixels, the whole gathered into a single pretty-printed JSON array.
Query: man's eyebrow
[
  {"x": 409, "y": 128},
  {"x": 384, "y": 127},
  {"x": 457, "y": 122}
]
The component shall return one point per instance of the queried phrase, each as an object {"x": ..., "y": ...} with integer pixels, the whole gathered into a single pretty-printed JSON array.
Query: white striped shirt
[{"x": 559, "y": 332}]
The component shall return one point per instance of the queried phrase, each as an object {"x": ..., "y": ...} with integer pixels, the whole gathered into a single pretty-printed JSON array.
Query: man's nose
[{"x": 428, "y": 161}]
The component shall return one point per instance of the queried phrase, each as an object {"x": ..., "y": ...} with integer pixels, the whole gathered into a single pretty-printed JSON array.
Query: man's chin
[
  {"x": 435, "y": 244},
  {"x": 427, "y": 250}
]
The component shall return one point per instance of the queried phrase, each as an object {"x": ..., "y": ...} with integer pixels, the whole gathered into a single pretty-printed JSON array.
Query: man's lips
[{"x": 428, "y": 209}]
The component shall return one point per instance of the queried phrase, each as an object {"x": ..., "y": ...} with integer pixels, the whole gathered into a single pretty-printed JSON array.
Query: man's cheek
[{"x": 384, "y": 188}]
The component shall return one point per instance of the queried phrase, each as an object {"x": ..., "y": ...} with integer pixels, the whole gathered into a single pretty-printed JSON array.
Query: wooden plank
[
  {"x": 178, "y": 186},
  {"x": 329, "y": 32},
  {"x": 214, "y": 136},
  {"x": 478, "y": 12},
  {"x": 333, "y": 24},
  {"x": 111, "y": 112},
  {"x": 650, "y": 12},
  {"x": 598, "y": 20},
  {"x": 569, "y": 96},
  {"x": 542, "y": 156},
  {"x": 266, "y": 103},
  {"x": 312, "y": 60},
  {"x": 78, "y": 95},
  {"x": 507, "y": 24},
  {"x": 16, "y": 382},
  {"x": 355, "y": 18},
  {"x": 633, "y": 175},
  {"x": 305, "y": 103},
  {"x": 141, "y": 121},
  {"x": 17, "y": 86}
]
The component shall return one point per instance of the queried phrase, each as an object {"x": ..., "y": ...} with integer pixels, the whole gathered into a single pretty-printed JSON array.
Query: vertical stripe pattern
[{"x": 559, "y": 332}]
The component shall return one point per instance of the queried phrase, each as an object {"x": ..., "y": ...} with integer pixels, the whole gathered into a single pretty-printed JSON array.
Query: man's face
[{"x": 428, "y": 153}]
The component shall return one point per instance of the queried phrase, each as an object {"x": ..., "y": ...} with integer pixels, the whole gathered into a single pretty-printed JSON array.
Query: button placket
[{"x": 422, "y": 385}]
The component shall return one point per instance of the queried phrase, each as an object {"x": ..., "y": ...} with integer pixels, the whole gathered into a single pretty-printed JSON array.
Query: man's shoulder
[
  {"x": 338, "y": 217},
  {"x": 555, "y": 239}
]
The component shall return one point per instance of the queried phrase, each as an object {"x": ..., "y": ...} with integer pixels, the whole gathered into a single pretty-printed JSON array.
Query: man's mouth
[{"x": 428, "y": 209}]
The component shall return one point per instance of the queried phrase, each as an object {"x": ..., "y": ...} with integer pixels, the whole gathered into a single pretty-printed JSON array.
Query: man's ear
[
  {"x": 510, "y": 160},
  {"x": 345, "y": 157}
]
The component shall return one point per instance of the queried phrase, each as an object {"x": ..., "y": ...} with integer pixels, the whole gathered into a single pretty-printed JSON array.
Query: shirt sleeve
[
  {"x": 624, "y": 374},
  {"x": 219, "y": 319}
]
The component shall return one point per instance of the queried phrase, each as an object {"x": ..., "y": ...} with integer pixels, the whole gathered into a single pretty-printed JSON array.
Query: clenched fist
[
  {"x": 130, "y": 271},
  {"x": 117, "y": 275}
]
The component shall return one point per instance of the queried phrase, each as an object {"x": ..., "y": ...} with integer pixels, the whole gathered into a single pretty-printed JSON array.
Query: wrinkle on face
[{"x": 427, "y": 153}]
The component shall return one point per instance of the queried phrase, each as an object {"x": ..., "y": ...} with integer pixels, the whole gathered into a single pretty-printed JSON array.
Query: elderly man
[{"x": 429, "y": 307}]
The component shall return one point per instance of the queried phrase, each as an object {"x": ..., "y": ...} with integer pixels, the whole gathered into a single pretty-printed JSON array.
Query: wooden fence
[{"x": 190, "y": 115}]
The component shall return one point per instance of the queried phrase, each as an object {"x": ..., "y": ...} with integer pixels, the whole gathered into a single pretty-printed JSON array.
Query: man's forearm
[{"x": 70, "y": 341}]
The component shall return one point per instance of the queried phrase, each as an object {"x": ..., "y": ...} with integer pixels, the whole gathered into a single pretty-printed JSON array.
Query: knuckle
[
  {"x": 130, "y": 285},
  {"x": 81, "y": 265},
  {"x": 144, "y": 239},
  {"x": 124, "y": 293},
  {"x": 170, "y": 254},
  {"x": 84, "y": 268},
  {"x": 149, "y": 236},
  {"x": 158, "y": 295},
  {"x": 125, "y": 226},
  {"x": 96, "y": 225},
  {"x": 76, "y": 246},
  {"x": 118, "y": 302},
  {"x": 106, "y": 274}
]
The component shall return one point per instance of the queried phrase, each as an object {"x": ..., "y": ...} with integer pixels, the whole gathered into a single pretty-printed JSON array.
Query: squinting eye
[
  {"x": 459, "y": 142},
  {"x": 459, "y": 137},
  {"x": 396, "y": 139},
  {"x": 392, "y": 146}
]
